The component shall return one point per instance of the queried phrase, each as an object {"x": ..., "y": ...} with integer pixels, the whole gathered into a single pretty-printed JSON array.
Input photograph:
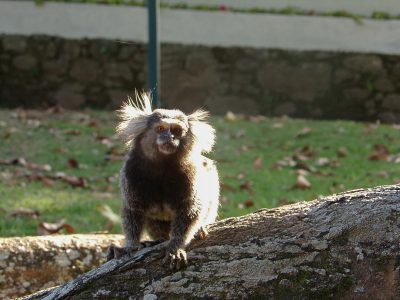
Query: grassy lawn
[{"x": 262, "y": 163}]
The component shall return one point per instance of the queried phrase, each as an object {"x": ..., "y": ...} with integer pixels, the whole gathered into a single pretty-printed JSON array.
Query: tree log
[
  {"x": 343, "y": 246},
  {"x": 28, "y": 264}
]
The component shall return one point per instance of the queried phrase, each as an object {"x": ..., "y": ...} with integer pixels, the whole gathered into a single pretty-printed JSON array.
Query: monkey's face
[
  {"x": 170, "y": 128},
  {"x": 161, "y": 133}
]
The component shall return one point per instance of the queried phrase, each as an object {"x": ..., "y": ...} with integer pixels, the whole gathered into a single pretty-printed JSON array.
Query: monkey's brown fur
[{"x": 170, "y": 189}]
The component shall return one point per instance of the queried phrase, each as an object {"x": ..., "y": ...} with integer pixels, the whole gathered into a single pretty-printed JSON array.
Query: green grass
[{"x": 88, "y": 137}]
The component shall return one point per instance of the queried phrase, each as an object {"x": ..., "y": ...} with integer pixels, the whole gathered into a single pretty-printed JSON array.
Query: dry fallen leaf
[
  {"x": 380, "y": 152},
  {"x": 46, "y": 180},
  {"x": 45, "y": 228},
  {"x": 256, "y": 118},
  {"x": 45, "y": 167},
  {"x": 61, "y": 150},
  {"x": 20, "y": 161},
  {"x": 302, "y": 183},
  {"x": 227, "y": 187},
  {"x": 33, "y": 123},
  {"x": 72, "y": 132},
  {"x": 240, "y": 176},
  {"x": 342, "y": 152},
  {"x": 225, "y": 200},
  {"x": 302, "y": 172},
  {"x": 248, "y": 203},
  {"x": 370, "y": 128},
  {"x": 230, "y": 116},
  {"x": 396, "y": 126},
  {"x": 246, "y": 186},
  {"x": 92, "y": 123},
  {"x": 305, "y": 151},
  {"x": 72, "y": 163},
  {"x": 383, "y": 174},
  {"x": 55, "y": 110},
  {"x": 72, "y": 180},
  {"x": 303, "y": 132},
  {"x": 244, "y": 148},
  {"x": 76, "y": 181},
  {"x": 258, "y": 163},
  {"x": 239, "y": 134},
  {"x": 108, "y": 213},
  {"x": 277, "y": 125},
  {"x": 323, "y": 161}
]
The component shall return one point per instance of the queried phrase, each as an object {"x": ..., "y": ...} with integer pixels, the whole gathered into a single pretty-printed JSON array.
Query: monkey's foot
[
  {"x": 145, "y": 244},
  {"x": 201, "y": 234},
  {"x": 177, "y": 259},
  {"x": 118, "y": 252},
  {"x": 115, "y": 252}
]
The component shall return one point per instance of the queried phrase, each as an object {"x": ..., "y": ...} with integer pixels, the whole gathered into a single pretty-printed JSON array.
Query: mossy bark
[{"x": 344, "y": 246}]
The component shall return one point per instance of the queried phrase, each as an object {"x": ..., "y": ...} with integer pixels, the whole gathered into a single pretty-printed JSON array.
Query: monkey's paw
[
  {"x": 118, "y": 252},
  {"x": 201, "y": 234},
  {"x": 176, "y": 259}
]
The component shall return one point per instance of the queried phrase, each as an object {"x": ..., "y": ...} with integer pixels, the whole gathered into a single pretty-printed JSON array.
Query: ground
[{"x": 64, "y": 165}]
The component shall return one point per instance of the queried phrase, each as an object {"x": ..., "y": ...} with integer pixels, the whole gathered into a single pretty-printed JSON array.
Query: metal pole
[{"x": 153, "y": 51}]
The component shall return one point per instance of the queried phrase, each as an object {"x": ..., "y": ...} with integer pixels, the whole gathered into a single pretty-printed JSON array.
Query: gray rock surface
[{"x": 344, "y": 246}]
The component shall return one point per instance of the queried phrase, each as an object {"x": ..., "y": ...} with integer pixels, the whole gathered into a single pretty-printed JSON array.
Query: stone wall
[{"x": 40, "y": 71}]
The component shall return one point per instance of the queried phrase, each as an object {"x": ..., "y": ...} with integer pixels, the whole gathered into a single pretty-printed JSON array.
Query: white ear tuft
[
  {"x": 204, "y": 134},
  {"x": 134, "y": 117}
]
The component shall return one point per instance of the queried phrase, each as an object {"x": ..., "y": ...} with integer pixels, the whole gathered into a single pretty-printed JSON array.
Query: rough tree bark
[
  {"x": 344, "y": 246},
  {"x": 28, "y": 264}
]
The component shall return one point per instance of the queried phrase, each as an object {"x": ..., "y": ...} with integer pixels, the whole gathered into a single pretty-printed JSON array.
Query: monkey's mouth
[{"x": 167, "y": 147}]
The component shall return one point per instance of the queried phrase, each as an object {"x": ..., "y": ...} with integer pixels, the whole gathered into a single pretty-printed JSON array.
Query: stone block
[
  {"x": 14, "y": 43},
  {"x": 391, "y": 102},
  {"x": 85, "y": 70},
  {"x": 285, "y": 108},
  {"x": 364, "y": 63},
  {"x": 389, "y": 117},
  {"x": 55, "y": 68},
  {"x": 356, "y": 94},
  {"x": 247, "y": 64},
  {"x": 198, "y": 61},
  {"x": 25, "y": 62},
  {"x": 316, "y": 112},
  {"x": 342, "y": 75},
  {"x": 370, "y": 104},
  {"x": 51, "y": 50},
  {"x": 128, "y": 51},
  {"x": 103, "y": 48},
  {"x": 303, "y": 82},
  {"x": 71, "y": 49},
  {"x": 69, "y": 98},
  {"x": 118, "y": 71},
  {"x": 384, "y": 85},
  {"x": 396, "y": 70}
]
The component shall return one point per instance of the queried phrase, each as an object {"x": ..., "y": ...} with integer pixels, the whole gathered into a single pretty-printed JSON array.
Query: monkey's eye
[{"x": 161, "y": 128}]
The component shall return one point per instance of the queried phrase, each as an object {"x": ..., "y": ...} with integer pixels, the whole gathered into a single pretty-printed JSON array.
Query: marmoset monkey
[{"x": 170, "y": 190}]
